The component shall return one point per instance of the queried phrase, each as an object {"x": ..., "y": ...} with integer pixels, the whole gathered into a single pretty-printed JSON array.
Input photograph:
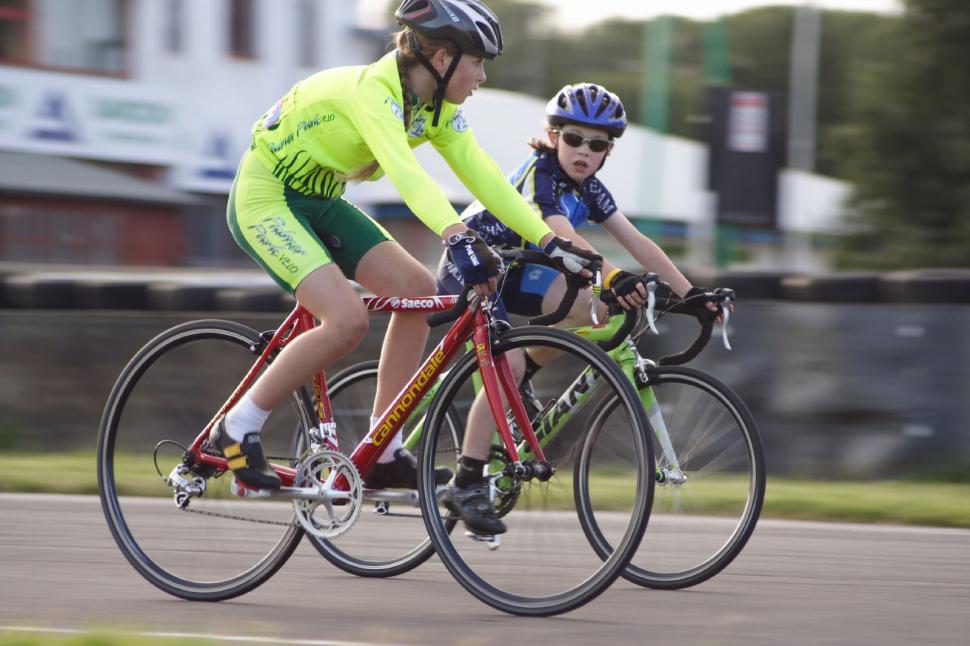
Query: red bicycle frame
[{"x": 474, "y": 323}]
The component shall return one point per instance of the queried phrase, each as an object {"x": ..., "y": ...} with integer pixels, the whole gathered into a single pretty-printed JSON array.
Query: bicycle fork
[{"x": 637, "y": 368}]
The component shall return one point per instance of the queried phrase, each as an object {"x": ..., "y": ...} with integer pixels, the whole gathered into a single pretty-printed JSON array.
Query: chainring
[{"x": 320, "y": 471}]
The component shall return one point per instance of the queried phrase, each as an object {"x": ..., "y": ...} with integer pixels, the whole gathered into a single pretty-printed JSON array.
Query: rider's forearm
[
  {"x": 652, "y": 258},
  {"x": 561, "y": 227}
]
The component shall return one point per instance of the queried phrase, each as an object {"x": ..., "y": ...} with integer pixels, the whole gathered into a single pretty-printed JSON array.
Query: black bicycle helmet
[{"x": 468, "y": 23}]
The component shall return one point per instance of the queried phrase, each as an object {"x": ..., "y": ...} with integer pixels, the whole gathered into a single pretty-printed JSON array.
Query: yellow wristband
[{"x": 610, "y": 276}]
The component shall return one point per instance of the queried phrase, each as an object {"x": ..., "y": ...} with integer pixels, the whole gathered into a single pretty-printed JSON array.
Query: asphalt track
[{"x": 796, "y": 583}]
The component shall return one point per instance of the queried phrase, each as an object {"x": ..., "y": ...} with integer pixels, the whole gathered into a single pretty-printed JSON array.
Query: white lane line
[{"x": 211, "y": 637}]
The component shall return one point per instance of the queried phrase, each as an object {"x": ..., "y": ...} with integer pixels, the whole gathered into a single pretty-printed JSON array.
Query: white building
[{"x": 168, "y": 89}]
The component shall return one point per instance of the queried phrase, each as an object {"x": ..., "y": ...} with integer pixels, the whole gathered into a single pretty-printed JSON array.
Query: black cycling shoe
[
  {"x": 401, "y": 473},
  {"x": 532, "y": 405},
  {"x": 245, "y": 458},
  {"x": 473, "y": 506}
]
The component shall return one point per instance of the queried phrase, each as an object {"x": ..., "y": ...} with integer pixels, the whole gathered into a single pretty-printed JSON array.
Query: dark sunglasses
[{"x": 575, "y": 141}]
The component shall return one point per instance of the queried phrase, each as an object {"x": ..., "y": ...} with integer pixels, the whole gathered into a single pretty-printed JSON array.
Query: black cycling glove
[
  {"x": 475, "y": 260},
  {"x": 624, "y": 283}
]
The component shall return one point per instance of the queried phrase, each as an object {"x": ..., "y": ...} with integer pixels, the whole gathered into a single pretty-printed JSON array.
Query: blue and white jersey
[{"x": 550, "y": 191}]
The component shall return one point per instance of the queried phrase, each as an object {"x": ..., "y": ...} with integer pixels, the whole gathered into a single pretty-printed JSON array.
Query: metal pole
[
  {"x": 803, "y": 87},
  {"x": 654, "y": 110}
]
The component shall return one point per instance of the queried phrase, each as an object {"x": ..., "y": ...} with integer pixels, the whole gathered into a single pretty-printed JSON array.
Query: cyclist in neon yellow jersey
[{"x": 286, "y": 211}]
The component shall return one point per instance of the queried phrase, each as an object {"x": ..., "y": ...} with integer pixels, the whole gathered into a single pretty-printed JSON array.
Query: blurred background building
[
  {"x": 121, "y": 122},
  {"x": 787, "y": 139}
]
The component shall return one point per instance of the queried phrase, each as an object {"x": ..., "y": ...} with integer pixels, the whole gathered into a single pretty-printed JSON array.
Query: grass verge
[{"x": 910, "y": 502}]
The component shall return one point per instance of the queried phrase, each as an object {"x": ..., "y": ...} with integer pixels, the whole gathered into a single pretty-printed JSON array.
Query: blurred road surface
[{"x": 796, "y": 583}]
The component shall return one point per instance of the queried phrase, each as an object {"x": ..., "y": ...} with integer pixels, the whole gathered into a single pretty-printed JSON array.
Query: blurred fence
[{"x": 852, "y": 376}]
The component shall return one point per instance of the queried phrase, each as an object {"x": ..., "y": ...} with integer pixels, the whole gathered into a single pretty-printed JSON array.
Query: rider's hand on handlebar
[
  {"x": 569, "y": 258},
  {"x": 699, "y": 294},
  {"x": 475, "y": 260},
  {"x": 629, "y": 289}
]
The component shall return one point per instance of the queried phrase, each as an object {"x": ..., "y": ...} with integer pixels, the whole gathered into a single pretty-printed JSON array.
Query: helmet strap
[{"x": 442, "y": 81}]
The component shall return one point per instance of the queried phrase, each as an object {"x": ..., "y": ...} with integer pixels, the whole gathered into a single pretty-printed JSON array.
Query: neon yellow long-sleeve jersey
[{"x": 337, "y": 122}]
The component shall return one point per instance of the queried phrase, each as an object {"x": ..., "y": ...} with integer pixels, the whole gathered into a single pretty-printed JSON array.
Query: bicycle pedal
[
  {"x": 491, "y": 542},
  {"x": 245, "y": 491}
]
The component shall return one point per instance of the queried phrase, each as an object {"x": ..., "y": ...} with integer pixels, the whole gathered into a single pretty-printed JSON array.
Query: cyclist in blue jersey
[{"x": 559, "y": 182}]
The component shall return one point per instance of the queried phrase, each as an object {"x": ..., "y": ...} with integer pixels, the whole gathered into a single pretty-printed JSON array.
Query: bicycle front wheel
[
  {"x": 710, "y": 478},
  {"x": 218, "y": 546},
  {"x": 544, "y": 564},
  {"x": 391, "y": 539}
]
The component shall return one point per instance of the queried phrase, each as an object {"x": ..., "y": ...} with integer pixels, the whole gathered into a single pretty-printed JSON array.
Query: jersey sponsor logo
[
  {"x": 417, "y": 128},
  {"x": 415, "y": 303},
  {"x": 458, "y": 122},
  {"x": 301, "y": 129},
  {"x": 404, "y": 404},
  {"x": 279, "y": 242},
  {"x": 396, "y": 108},
  {"x": 273, "y": 116}
]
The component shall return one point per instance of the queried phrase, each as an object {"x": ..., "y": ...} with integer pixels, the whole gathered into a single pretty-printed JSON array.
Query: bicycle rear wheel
[
  {"x": 392, "y": 538},
  {"x": 219, "y": 546},
  {"x": 706, "y": 507},
  {"x": 545, "y": 566}
]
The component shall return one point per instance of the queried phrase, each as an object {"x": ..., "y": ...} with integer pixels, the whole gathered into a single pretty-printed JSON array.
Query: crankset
[{"x": 327, "y": 494}]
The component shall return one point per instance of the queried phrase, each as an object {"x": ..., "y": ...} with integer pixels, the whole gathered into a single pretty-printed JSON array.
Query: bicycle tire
[
  {"x": 689, "y": 541},
  {"x": 191, "y": 556},
  {"x": 544, "y": 574},
  {"x": 373, "y": 549}
]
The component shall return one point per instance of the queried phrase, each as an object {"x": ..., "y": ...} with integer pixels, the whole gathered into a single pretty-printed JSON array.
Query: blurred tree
[
  {"x": 912, "y": 203},
  {"x": 539, "y": 59},
  {"x": 529, "y": 39}
]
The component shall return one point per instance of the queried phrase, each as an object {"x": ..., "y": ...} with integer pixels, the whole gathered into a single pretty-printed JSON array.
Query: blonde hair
[{"x": 405, "y": 40}]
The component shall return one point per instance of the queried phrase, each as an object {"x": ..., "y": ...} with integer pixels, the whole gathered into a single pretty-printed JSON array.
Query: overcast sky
[{"x": 576, "y": 13}]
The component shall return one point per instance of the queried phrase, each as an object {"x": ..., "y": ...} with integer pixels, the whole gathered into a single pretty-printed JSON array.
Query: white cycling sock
[
  {"x": 393, "y": 444},
  {"x": 245, "y": 417}
]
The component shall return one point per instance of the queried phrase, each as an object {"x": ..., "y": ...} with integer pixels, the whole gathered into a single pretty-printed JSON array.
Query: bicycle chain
[
  {"x": 216, "y": 514},
  {"x": 258, "y": 521}
]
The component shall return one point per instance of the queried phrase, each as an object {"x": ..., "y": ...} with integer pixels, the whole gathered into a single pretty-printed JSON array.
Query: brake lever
[
  {"x": 726, "y": 316},
  {"x": 594, "y": 298},
  {"x": 651, "y": 305}
]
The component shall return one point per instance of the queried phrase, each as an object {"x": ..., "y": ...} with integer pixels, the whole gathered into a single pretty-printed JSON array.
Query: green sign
[{"x": 133, "y": 111}]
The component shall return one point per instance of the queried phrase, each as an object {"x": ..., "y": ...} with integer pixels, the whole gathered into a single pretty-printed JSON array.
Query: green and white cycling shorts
[{"x": 290, "y": 234}]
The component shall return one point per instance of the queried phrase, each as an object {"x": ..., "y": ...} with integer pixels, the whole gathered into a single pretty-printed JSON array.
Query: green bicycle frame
[
  {"x": 554, "y": 418},
  {"x": 557, "y": 414}
]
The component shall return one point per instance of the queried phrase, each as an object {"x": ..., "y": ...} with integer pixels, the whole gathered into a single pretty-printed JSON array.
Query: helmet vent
[
  {"x": 484, "y": 29},
  {"x": 604, "y": 104},
  {"x": 581, "y": 100},
  {"x": 414, "y": 8}
]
